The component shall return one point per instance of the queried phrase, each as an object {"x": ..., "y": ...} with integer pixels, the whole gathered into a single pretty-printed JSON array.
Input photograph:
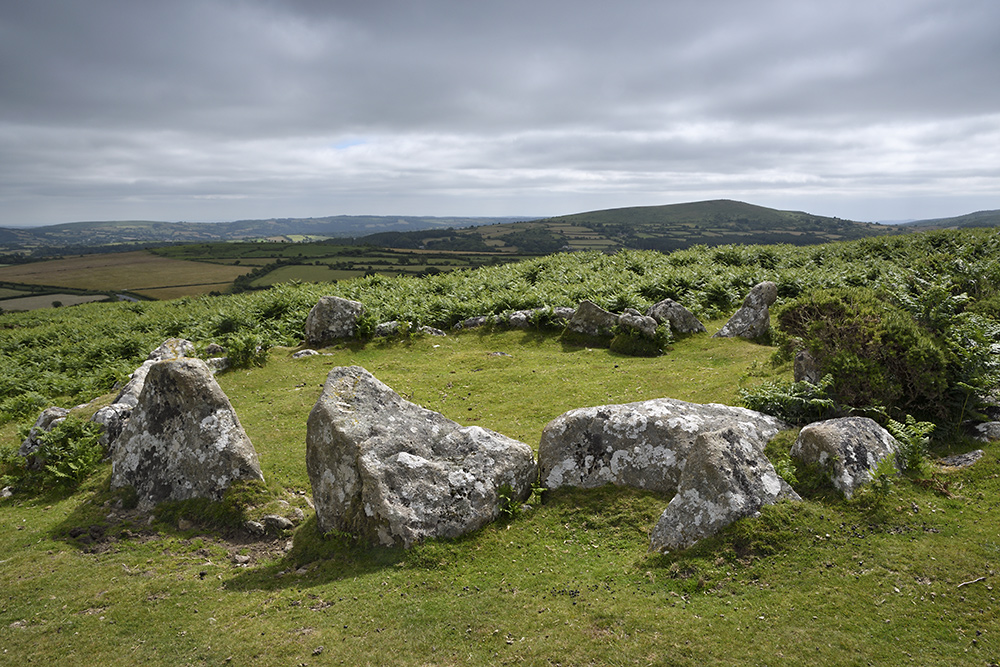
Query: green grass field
[
  {"x": 905, "y": 579},
  {"x": 48, "y": 301}
]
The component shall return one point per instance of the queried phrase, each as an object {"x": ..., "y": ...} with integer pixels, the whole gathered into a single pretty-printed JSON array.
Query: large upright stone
[
  {"x": 643, "y": 445},
  {"x": 332, "y": 318},
  {"x": 726, "y": 478},
  {"x": 753, "y": 320},
  {"x": 171, "y": 348},
  {"x": 394, "y": 473},
  {"x": 677, "y": 317},
  {"x": 183, "y": 439},
  {"x": 849, "y": 448}
]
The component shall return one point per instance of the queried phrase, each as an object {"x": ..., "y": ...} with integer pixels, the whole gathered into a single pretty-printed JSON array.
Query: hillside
[
  {"x": 665, "y": 228},
  {"x": 53, "y": 238},
  {"x": 977, "y": 219}
]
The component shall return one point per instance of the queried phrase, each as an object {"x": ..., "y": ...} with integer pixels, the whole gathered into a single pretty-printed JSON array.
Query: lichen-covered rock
[
  {"x": 386, "y": 329},
  {"x": 47, "y": 420},
  {"x": 183, "y": 439},
  {"x": 430, "y": 331},
  {"x": 726, "y": 478},
  {"x": 394, "y": 473},
  {"x": 753, "y": 320},
  {"x": 521, "y": 319},
  {"x": 589, "y": 319},
  {"x": 805, "y": 368},
  {"x": 850, "y": 448},
  {"x": 959, "y": 461},
  {"x": 172, "y": 348},
  {"x": 472, "y": 322},
  {"x": 113, "y": 418},
  {"x": 987, "y": 431},
  {"x": 641, "y": 324},
  {"x": 332, "y": 318},
  {"x": 677, "y": 317},
  {"x": 302, "y": 354},
  {"x": 643, "y": 445}
]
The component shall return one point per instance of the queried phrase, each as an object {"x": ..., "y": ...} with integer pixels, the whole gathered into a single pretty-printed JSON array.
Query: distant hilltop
[{"x": 665, "y": 228}]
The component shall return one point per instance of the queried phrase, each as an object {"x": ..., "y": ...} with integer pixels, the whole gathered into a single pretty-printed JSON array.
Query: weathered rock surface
[
  {"x": 332, "y": 318},
  {"x": 753, "y": 320},
  {"x": 172, "y": 348},
  {"x": 677, "y": 317},
  {"x": 987, "y": 431},
  {"x": 641, "y": 324},
  {"x": 395, "y": 473},
  {"x": 302, "y": 354},
  {"x": 472, "y": 322},
  {"x": 644, "y": 445},
  {"x": 113, "y": 418},
  {"x": 590, "y": 319},
  {"x": 805, "y": 368},
  {"x": 47, "y": 420},
  {"x": 726, "y": 478},
  {"x": 183, "y": 439},
  {"x": 961, "y": 460},
  {"x": 850, "y": 448}
]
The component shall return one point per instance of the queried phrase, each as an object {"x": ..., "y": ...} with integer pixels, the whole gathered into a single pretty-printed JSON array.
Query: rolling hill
[{"x": 665, "y": 228}]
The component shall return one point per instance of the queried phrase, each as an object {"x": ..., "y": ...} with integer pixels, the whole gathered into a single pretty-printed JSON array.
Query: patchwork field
[
  {"x": 136, "y": 272},
  {"x": 48, "y": 301}
]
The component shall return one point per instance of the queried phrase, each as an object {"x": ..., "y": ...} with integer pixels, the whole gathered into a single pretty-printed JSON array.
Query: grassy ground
[{"x": 902, "y": 579}]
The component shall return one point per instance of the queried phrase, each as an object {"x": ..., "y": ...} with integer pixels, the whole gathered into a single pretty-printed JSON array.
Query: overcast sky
[{"x": 208, "y": 110}]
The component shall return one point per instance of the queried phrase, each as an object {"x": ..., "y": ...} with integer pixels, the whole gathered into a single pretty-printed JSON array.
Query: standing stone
[
  {"x": 183, "y": 439},
  {"x": 331, "y": 318},
  {"x": 677, "y": 317},
  {"x": 726, "y": 478},
  {"x": 394, "y": 473},
  {"x": 850, "y": 448},
  {"x": 753, "y": 320},
  {"x": 590, "y": 319},
  {"x": 643, "y": 445},
  {"x": 172, "y": 348}
]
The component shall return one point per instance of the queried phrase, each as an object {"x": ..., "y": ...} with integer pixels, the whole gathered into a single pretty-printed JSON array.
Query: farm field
[
  {"x": 137, "y": 272},
  {"x": 48, "y": 301}
]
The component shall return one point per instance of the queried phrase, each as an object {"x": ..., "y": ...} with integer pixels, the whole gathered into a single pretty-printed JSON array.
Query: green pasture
[{"x": 903, "y": 579}]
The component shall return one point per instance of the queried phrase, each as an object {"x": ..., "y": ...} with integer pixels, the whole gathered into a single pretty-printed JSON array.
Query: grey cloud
[{"x": 181, "y": 103}]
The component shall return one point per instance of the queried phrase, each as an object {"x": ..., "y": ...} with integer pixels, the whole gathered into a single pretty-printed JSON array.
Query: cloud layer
[{"x": 226, "y": 109}]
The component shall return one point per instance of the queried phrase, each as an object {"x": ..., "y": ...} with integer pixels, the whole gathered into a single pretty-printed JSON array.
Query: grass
[{"x": 905, "y": 579}]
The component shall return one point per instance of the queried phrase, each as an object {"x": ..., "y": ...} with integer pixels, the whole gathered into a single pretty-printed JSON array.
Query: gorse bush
[
  {"x": 914, "y": 350},
  {"x": 875, "y": 352}
]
